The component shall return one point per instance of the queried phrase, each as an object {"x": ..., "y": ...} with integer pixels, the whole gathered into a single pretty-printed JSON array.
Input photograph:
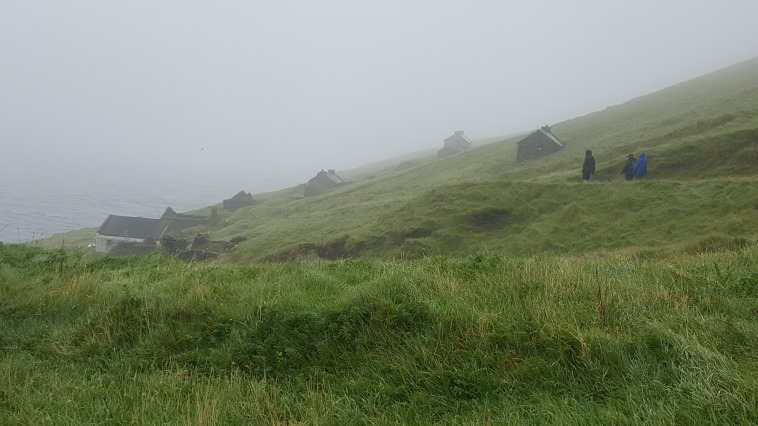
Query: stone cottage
[
  {"x": 241, "y": 199},
  {"x": 323, "y": 181},
  {"x": 128, "y": 229},
  {"x": 538, "y": 144},
  {"x": 455, "y": 144}
]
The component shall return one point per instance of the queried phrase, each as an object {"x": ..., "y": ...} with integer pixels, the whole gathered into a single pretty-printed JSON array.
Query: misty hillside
[
  {"x": 700, "y": 136},
  {"x": 701, "y": 141}
]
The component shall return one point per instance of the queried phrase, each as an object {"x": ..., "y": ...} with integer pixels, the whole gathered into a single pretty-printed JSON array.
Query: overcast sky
[{"x": 305, "y": 85}]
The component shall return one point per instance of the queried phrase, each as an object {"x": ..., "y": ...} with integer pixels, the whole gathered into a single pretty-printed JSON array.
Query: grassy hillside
[
  {"x": 700, "y": 137},
  {"x": 512, "y": 218},
  {"x": 483, "y": 339},
  {"x": 469, "y": 290}
]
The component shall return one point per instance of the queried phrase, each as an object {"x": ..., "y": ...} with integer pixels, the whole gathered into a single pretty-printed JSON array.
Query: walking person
[
  {"x": 628, "y": 170},
  {"x": 640, "y": 169},
  {"x": 588, "y": 168}
]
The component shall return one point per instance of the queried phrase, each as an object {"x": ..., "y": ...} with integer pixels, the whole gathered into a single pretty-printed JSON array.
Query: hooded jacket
[
  {"x": 628, "y": 169},
  {"x": 640, "y": 169},
  {"x": 589, "y": 163}
]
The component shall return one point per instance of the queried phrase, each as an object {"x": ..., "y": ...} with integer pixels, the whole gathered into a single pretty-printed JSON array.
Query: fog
[{"x": 299, "y": 86}]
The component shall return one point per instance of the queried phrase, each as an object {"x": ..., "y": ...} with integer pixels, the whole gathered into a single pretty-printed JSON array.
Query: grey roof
[
  {"x": 545, "y": 132},
  {"x": 458, "y": 135},
  {"x": 550, "y": 134},
  {"x": 334, "y": 178},
  {"x": 133, "y": 227},
  {"x": 241, "y": 196},
  {"x": 169, "y": 212}
]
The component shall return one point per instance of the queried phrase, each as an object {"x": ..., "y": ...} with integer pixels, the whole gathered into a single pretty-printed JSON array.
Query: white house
[{"x": 118, "y": 229}]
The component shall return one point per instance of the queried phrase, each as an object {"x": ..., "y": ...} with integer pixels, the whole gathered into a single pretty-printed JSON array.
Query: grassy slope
[
  {"x": 644, "y": 312},
  {"x": 701, "y": 133},
  {"x": 700, "y": 137},
  {"x": 72, "y": 240},
  {"x": 484, "y": 339}
]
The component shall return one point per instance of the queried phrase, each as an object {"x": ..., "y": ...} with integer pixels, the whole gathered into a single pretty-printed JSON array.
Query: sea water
[{"x": 38, "y": 202}]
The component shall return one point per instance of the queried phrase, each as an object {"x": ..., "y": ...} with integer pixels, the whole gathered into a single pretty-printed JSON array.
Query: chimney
[{"x": 331, "y": 172}]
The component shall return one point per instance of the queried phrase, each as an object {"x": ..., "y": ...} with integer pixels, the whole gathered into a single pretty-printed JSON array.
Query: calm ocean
[{"x": 40, "y": 202}]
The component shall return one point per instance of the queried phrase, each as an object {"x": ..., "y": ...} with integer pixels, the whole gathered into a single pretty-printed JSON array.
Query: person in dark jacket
[
  {"x": 588, "y": 168},
  {"x": 628, "y": 169},
  {"x": 640, "y": 169}
]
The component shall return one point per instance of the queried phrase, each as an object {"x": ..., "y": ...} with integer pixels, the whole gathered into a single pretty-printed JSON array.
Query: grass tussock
[{"x": 484, "y": 339}]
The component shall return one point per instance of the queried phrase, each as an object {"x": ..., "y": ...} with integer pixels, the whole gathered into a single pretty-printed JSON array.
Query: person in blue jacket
[
  {"x": 628, "y": 169},
  {"x": 640, "y": 169}
]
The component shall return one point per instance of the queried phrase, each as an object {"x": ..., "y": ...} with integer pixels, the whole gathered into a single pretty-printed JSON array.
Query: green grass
[
  {"x": 484, "y": 339},
  {"x": 524, "y": 218},
  {"x": 701, "y": 139},
  {"x": 73, "y": 240},
  {"x": 469, "y": 290}
]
